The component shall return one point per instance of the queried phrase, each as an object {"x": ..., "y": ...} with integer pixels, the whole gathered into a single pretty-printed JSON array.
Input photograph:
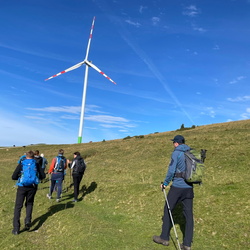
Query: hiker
[
  {"x": 44, "y": 165},
  {"x": 78, "y": 166},
  {"x": 27, "y": 173},
  {"x": 44, "y": 162},
  {"x": 180, "y": 191},
  {"x": 57, "y": 169},
  {"x": 38, "y": 158}
]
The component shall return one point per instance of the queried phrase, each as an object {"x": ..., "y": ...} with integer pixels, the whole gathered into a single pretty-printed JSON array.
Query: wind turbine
[{"x": 88, "y": 64}]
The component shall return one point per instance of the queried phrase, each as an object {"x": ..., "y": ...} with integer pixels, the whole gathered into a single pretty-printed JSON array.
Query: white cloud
[
  {"x": 155, "y": 20},
  {"x": 65, "y": 109},
  {"x": 237, "y": 79},
  {"x": 136, "y": 24},
  {"x": 107, "y": 119},
  {"x": 199, "y": 29},
  {"x": 191, "y": 11},
  {"x": 239, "y": 99},
  {"x": 246, "y": 115},
  {"x": 209, "y": 111},
  {"x": 216, "y": 47},
  {"x": 141, "y": 8}
]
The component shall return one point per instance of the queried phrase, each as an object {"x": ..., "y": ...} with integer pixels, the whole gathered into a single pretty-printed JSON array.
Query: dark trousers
[
  {"x": 175, "y": 195},
  {"x": 76, "y": 179},
  {"x": 27, "y": 194}
]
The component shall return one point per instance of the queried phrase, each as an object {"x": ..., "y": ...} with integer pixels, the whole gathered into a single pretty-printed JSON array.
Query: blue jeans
[
  {"x": 175, "y": 195},
  {"x": 56, "y": 179}
]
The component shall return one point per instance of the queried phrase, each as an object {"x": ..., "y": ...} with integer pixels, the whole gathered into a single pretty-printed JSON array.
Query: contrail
[{"x": 157, "y": 74}]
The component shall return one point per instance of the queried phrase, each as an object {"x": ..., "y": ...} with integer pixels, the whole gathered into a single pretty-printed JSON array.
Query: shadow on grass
[
  {"x": 51, "y": 210},
  {"x": 84, "y": 190},
  {"x": 87, "y": 190},
  {"x": 180, "y": 220}
]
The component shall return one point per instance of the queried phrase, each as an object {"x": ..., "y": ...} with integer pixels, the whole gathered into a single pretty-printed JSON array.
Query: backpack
[
  {"x": 29, "y": 174},
  {"x": 194, "y": 166},
  {"x": 60, "y": 164},
  {"x": 80, "y": 166}
]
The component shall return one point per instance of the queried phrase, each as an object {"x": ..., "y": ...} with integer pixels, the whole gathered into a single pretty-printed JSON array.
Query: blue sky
[{"x": 174, "y": 62}]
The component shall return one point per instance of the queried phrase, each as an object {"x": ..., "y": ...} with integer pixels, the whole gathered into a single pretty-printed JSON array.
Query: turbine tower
[{"x": 88, "y": 64}]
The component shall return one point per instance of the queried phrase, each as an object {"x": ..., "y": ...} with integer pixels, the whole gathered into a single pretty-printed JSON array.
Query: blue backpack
[
  {"x": 29, "y": 174},
  {"x": 60, "y": 164}
]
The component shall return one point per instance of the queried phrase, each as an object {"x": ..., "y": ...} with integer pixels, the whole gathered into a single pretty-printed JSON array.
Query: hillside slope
[{"x": 121, "y": 203}]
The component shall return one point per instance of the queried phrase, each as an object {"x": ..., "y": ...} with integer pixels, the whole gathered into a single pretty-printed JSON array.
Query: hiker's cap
[{"x": 178, "y": 139}]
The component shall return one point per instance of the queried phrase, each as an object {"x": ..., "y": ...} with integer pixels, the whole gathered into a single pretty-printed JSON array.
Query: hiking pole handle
[{"x": 162, "y": 186}]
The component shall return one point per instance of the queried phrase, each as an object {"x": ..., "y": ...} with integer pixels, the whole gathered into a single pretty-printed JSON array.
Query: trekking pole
[{"x": 171, "y": 217}]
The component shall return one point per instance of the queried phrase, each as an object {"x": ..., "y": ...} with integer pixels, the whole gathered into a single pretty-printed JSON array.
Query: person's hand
[{"x": 162, "y": 186}]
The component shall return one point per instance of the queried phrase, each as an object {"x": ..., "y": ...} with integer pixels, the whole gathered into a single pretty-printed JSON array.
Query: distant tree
[
  {"x": 128, "y": 137},
  {"x": 182, "y": 127}
]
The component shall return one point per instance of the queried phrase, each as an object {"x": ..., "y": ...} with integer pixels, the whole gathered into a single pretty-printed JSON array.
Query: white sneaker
[
  {"x": 49, "y": 196},
  {"x": 57, "y": 200}
]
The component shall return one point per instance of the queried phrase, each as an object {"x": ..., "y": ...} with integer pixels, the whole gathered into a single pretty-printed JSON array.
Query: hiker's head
[
  {"x": 178, "y": 139},
  {"x": 36, "y": 152},
  {"x": 61, "y": 152},
  {"x": 42, "y": 155},
  {"x": 30, "y": 154},
  {"x": 76, "y": 154}
]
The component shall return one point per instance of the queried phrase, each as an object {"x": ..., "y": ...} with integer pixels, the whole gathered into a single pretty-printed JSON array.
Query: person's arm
[
  {"x": 171, "y": 168},
  {"x": 52, "y": 165},
  {"x": 16, "y": 174},
  {"x": 73, "y": 164},
  {"x": 66, "y": 163}
]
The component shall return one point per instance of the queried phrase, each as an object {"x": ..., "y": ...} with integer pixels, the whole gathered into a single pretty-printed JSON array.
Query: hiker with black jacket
[
  {"x": 180, "y": 191},
  {"x": 78, "y": 168},
  {"x": 27, "y": 187}
]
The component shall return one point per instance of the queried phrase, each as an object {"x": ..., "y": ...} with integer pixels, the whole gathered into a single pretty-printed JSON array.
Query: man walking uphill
[
  {"x": 28, "y": 173},
  {"x": 180, "y": 191},
  {"x": 57, "y": 168}
]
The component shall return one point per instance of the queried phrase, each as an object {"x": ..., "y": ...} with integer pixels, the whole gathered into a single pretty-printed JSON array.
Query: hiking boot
[
  {"x": 159, "y": 240},
  {"x": 57, "y": 200},
  {"x": 185, "y": 247},
  {"x": 15, "y": 231},
  {"x": 27, "y": 226},
  {"x": 75, "y": 200},
  {"x": 49, "y": 196}
]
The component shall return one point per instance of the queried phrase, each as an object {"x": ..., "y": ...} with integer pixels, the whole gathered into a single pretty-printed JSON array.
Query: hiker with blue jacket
[
  {"x": 28, "y": 173},
  {"x": 180, "y": 191}
]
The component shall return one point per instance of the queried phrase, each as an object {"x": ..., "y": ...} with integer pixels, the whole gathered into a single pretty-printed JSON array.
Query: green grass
[{"x": 122, "y": 205}]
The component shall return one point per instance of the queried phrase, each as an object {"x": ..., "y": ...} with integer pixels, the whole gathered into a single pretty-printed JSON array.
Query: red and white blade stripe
[
  {"x": 90, "y": 37},
  {"x": 97, "y": 69},
  {"x": 67, "y": 70}
]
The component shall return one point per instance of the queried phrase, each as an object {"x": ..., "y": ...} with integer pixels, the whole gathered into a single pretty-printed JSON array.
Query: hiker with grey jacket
[
  {"x": 180, "y": 191},
  {"x": 78, "y": 168}
]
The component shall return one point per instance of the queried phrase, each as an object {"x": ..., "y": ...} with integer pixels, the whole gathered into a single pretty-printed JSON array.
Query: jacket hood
[{"x": 182, "y": 147}]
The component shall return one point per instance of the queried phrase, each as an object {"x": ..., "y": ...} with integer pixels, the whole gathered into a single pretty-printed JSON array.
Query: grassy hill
[{"x": 121, "y": 202}]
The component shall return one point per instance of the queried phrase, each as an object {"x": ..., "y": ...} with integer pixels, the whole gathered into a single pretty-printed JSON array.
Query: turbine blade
[
  {"x": 90, "y": 37},
  {"x": 97, "y": 69},
  {"x": 66, "y": 70}
]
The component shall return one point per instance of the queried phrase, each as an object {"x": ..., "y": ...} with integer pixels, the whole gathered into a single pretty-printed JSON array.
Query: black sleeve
[
  {"x": 40, "y": 172},
  {"x": 16, "y": 174}
]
